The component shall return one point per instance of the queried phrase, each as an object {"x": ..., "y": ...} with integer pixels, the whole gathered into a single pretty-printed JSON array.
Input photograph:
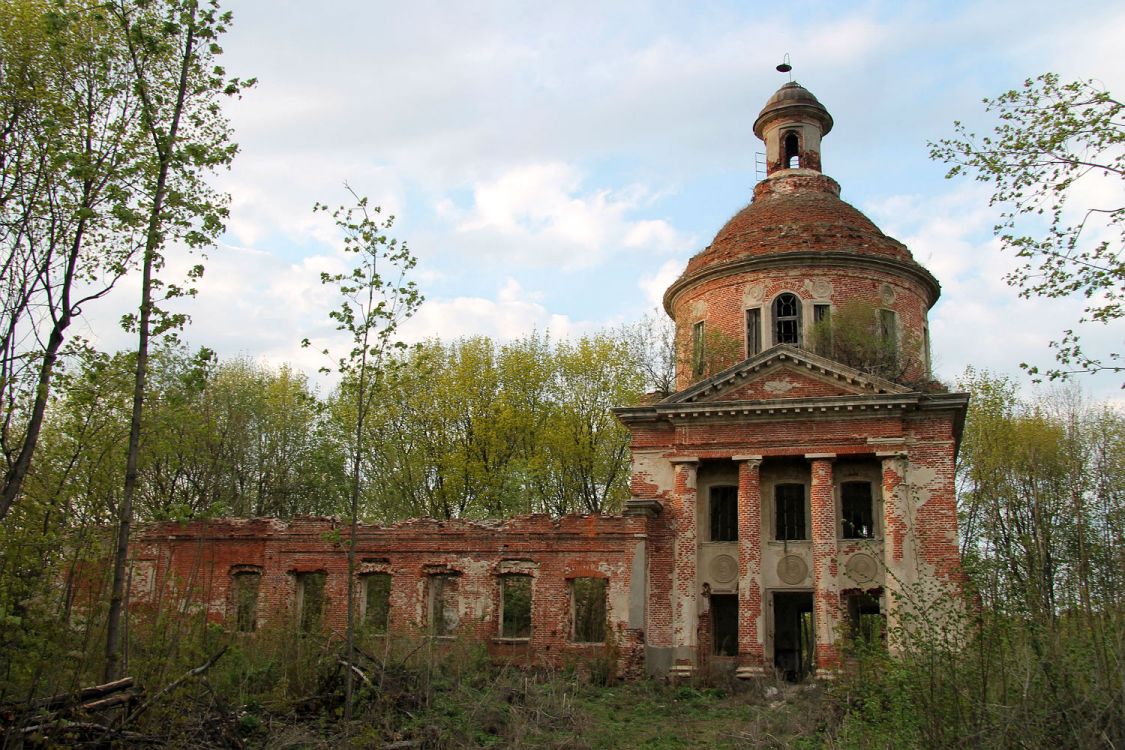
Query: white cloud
[
  {"x": 514, "y": 312},
  {"x": 539, "y": 214},
  {"x": 654, "y": 285}
]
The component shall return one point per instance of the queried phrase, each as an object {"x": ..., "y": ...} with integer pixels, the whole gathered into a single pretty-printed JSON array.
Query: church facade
[{"x": 792, "y": 492}]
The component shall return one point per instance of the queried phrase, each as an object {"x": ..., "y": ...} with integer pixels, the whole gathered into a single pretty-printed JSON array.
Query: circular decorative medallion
[
  {"x": 887, "y": 293},
  {"x": 822, "y": 288},
  {"x": 753, "y": 293},
  {"x": 862, "y": 567},
  {"x": 724, "y": 568},
  {"x": 792, "y": 569}
]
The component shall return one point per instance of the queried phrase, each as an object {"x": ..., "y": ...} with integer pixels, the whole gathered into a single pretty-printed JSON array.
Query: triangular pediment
[{"x": 785, "y": 372}]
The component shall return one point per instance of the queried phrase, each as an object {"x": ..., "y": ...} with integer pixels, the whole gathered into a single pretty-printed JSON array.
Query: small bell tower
[{"x": 792, "y": 124}]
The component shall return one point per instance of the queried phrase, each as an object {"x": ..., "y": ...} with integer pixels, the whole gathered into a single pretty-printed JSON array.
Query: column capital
[
  {"x": 688, "y": 460},
  {"x": 900, "y": 453},
  {"x": 747, "y": 459},
  {"x": 821, "y": 456}
]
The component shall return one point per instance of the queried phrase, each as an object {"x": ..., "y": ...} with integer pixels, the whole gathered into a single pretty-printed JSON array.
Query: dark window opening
[
  {"x": 888, "y": 329},
  {"x": 377, "y": 602},
  {"x": 444, "y": 611},
  {"x": 515, "y": 606},
  {"x": 697, "y": 348},
  {"x": 787, "y": 319},
  {"x": 822, "y": 318},
  {"x": 724, "y": 514},
  {"x": 792, "y": 151},
  {"x": 753, "y": 331},
  {"x": 724, "y": 624},
  {"x": 245, "y": 589},
  {"x": 865, "y": 620},
  {"x": 793, "y": 635},
  {"x": 790, "y": 511},
  {"x": 588, "y": 598},
  {"x": 310, "y": 600},
  {"x": 857, "y": 511}
]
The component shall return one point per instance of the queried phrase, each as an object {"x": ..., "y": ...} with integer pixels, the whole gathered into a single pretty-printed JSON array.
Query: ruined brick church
[{"x": 777, "y": 505}]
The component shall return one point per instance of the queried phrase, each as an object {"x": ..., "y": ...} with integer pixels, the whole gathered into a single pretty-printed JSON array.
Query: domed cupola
[
  {"x": 794, "y": 254},
  {"x": 792, "y": 124}
]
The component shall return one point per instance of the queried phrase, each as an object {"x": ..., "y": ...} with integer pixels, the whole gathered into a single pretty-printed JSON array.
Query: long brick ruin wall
[{"x": 193, "y": 566}]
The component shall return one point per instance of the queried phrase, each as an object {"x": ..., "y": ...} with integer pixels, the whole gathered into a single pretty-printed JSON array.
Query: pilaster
[
  {"x": 685, "y": 593},
  {"x": 896, "y": 537},
  {"x": 751, "y": 661},
  {"x": 826, "y": 592}
]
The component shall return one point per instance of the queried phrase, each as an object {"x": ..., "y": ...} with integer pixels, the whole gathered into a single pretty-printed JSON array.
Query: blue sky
[{"x": 554, "y": 165}]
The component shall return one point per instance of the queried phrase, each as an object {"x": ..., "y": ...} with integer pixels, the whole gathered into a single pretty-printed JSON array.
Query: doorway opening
[
  {"x": 724, "y": 624},
  {"x": 793, "y": 634}
]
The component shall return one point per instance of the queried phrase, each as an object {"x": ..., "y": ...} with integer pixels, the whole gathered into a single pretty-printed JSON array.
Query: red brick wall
[
  {"x": 720, "y": 303},
  {"x": 190, "y": 565}
]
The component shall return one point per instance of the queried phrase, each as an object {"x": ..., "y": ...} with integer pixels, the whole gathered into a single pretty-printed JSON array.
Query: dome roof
[
  {"x": 793, "y": 98},
  {"x": 798, "y": 211}
]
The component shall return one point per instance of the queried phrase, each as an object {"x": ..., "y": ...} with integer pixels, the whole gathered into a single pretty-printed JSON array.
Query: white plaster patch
[{"x": 779, "y": 386}]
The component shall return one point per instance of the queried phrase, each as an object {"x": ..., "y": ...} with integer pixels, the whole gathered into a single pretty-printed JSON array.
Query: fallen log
[
  {"x": 103, "y": 703},
  {"x": 83, "y": 695}
]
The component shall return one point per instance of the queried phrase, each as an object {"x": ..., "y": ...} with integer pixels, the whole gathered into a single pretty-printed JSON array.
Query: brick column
[
  {"x": 826, "y": 594},
  {"x": 685, "y": 589},
  {"x": 896, "y": 530},
  {"x": 751, "y": 661}
]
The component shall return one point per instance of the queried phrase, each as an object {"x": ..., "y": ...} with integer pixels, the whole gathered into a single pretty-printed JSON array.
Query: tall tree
[
  {"x": 71, "y": 149},
  {"x": 375, "y": 297},
  {"x": 1056, "y": 142},
  {"x": 172, "y": 47}
]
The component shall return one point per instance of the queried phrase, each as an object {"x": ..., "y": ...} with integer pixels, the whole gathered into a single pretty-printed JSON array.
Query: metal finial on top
[{"x": 785, "y": 67}]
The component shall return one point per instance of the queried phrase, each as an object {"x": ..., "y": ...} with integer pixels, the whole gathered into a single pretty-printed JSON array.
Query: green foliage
[
  {"x": 855, "y": 335},
  {"x": 222, "y": 438},
  {"x": 1056, "y": 141},
  {"x": 470, "y": 429},
  {"x": 711, "y": 354}
]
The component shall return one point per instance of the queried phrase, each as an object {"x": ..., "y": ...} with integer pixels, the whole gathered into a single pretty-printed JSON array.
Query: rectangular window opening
[
  {"x": 888, "y": 330},
  {"x": 697, "y": 348},
  {"x": 822, "y": 320},
  {"x": 857, "y": 511},
  {"x": 753, "y": 331},
  {"x": 865, "y": 618},
  {"x": 724, "y": 514},
  {"x": 310, "y": 600},
  {"x": 588, "y": 597},
  {"x": 444, "y": 610},
  {"x": 515, "y": 606},
  {"x": 789, "y": 505},
  {"x": 245, "y": 586},
  {"x": 377, "y": 602}
]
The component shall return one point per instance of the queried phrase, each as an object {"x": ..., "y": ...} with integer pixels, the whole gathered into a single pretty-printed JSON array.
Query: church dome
[
  {"x": 796, "y": 211},
  {"x": 780, "y": 266}
]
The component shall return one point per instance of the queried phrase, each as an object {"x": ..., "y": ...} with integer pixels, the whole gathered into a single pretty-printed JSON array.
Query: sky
[{"x": 554, "y": 165}]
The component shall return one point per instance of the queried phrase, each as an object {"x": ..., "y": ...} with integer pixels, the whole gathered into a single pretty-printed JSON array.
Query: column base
[
  {"x": 681, "y": 672},
  {"x": 750, "y": 672}
]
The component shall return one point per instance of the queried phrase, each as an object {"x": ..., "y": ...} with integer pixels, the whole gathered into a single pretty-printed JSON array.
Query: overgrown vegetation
[
  {"x": 1032, "y": 657},
  {"x": 1037, "y": 656},
  {"x": 859, "y": 334}
]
